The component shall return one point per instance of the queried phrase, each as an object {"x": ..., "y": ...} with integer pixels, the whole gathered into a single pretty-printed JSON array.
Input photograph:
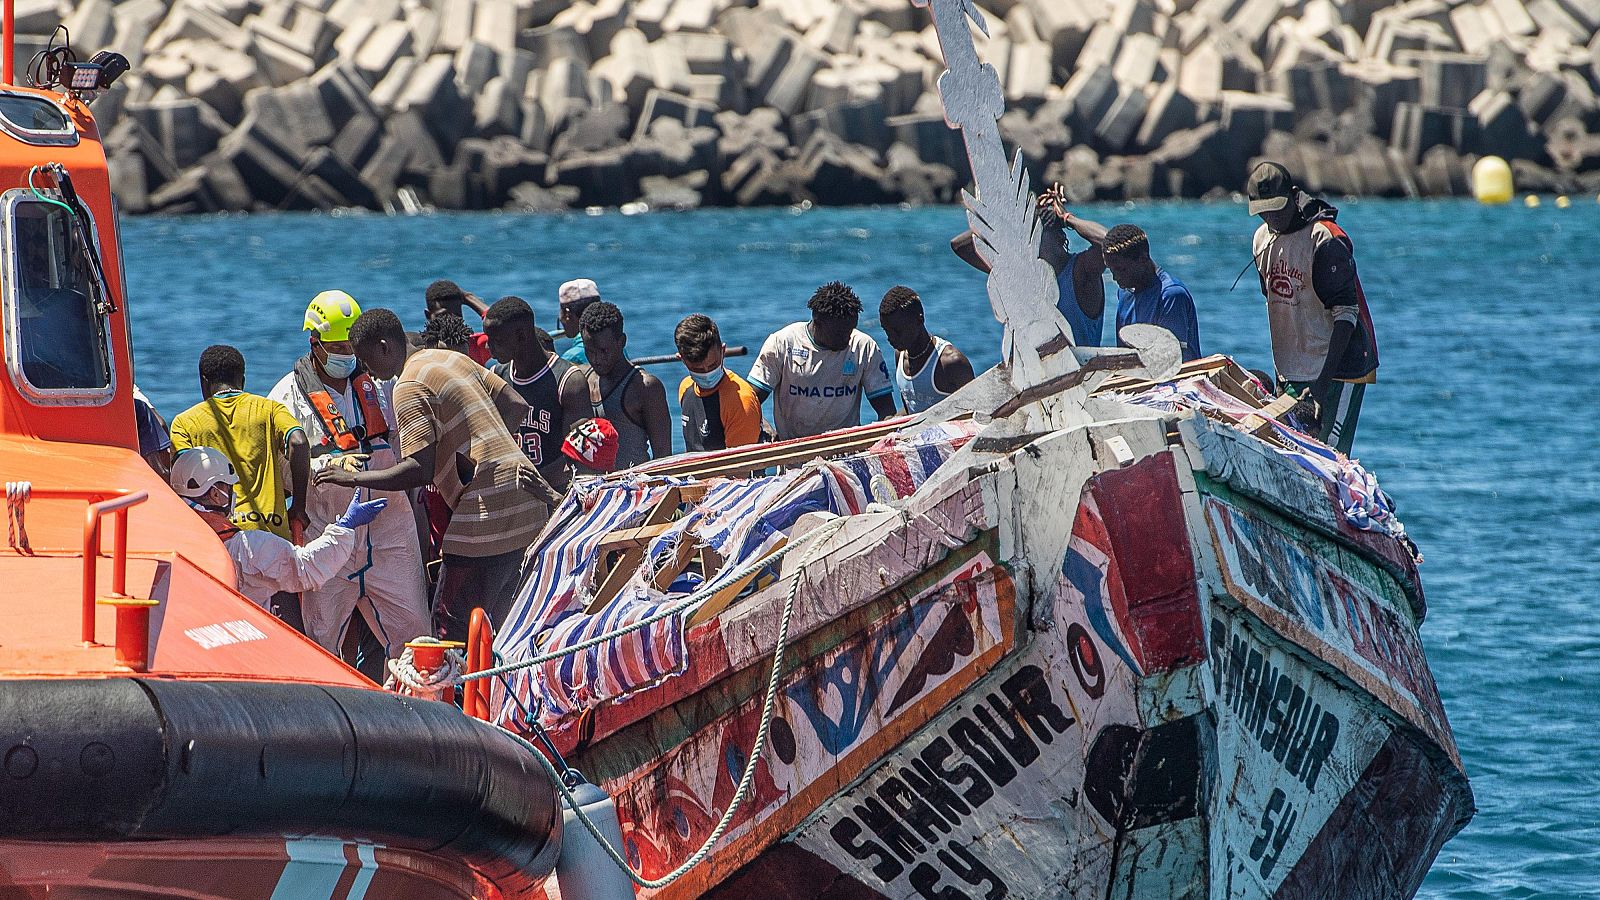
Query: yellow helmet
[{"x": 331, "y": 314}]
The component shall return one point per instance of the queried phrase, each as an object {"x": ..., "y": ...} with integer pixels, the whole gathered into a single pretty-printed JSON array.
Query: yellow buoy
[
  {"x": 1491, "y": 181},
  {"x": 1562, "y": 202},
  {"x": 1531, "y": 201}
]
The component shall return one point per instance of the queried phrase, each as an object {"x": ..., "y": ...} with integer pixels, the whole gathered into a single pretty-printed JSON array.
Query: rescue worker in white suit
[
  {"x": 264, "y": 563},
  {"x": 347, "y": 415}
]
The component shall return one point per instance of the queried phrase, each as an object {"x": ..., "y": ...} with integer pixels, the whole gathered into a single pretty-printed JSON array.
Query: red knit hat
[{"x": 593, "y": 443}]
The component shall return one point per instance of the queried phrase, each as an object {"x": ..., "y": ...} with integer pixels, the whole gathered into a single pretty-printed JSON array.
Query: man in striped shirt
[{"x": 455, "y": 420}]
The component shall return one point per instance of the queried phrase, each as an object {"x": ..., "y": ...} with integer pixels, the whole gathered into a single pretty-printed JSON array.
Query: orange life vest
[{"x": 338, "y": 436}]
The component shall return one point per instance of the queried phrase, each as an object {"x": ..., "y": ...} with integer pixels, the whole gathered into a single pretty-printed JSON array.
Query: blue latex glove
[{"x": 359, "y": 514}]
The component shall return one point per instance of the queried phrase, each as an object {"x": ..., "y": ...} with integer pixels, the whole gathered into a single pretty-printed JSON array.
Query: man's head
[
  {"x": 204, "y": 476},
  {"x": 1127, "y": 253},
  {"x": 221, "y": 368},
  {"x": 603, "y": 339},
  {"x": 512, "y": 334},
  {"x": 575, "y": 296},
  {"x": 701, "y": 349},
  {"x": 1274, "y": 196},
  {"x": 900, "y": 314},
  {"x": 446, "y": 331},
  {"x": 380, "y": 342},
  {"x": 835, "y": 310},
  {"x": 443, "y": 297},
  {"x": 329, "y": 317}
]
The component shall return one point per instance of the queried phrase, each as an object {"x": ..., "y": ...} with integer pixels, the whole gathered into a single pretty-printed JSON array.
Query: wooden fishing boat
[
  {"x": 1097, "y": 625},
  {"x": 160, "y": 735}
]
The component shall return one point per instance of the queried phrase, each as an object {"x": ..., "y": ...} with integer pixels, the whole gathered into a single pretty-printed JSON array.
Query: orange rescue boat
[{"x": 160, "y": 735}]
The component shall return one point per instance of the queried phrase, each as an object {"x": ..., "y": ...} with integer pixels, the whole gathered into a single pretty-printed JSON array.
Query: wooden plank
[
  {"x": 685, "y": 551},
  {"x": 628, "y": 538},
  {"x": 615, "y": 579},
  {"x": 719, "y": 601},
  {"x": 1258, "y": 424},
  {"x": 665, "y": 508},
  {"x": 784, "y": 453}
]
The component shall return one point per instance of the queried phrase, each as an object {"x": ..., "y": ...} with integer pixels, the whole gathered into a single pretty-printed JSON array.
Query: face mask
[
  {"x": 340, "y": 365},
  {"x": 705, "y": 381}
]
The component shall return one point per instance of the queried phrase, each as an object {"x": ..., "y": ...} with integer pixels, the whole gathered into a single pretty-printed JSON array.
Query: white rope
[
  {"x": 767, "y": 707},
  {"x": 17, "y": 495},
  {"x": 406, "y": 678}
]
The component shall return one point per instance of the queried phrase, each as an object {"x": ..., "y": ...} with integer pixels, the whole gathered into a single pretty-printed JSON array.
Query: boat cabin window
[
  {"x": 56, "y": 334},
  {"x": 36, "y": 120}
]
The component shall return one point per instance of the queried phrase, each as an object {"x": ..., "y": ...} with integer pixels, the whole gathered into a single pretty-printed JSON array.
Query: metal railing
[{"x": 101, "y": 503}]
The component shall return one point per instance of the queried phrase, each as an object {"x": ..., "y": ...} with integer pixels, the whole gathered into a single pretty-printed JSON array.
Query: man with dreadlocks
[
  {"x": 1323, "y": 343},
  {"x": 1146, "y": 293},
  {"x": 816, "y": 371}
]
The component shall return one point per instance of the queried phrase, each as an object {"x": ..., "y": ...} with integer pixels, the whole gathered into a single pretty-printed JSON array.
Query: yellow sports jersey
[{"x": 253, "y": 432}]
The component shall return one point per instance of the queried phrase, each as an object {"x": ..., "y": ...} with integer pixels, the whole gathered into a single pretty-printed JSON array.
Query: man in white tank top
[{"x": 927, "y": 369}]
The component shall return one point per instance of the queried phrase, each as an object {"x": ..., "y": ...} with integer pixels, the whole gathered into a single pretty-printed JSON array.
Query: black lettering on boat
[
  {"x": 847, "y": 834},
  {"x": 970, "y": 869},
  {"x": 936, "y": 792},
  {"x": 908, "y": 806},
  {"x": 978, "y": 790},
  {"x": 933, "y": 789},
  {"x": 1274, "y": 707},
  {"x": 888, "y": 829},
  {"x": 971, "y": 739}
]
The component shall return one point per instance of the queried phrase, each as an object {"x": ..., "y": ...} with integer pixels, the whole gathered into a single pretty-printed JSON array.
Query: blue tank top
[
  {"x": 1086, "y": 332},
  {"x": 917, "y": 390}
]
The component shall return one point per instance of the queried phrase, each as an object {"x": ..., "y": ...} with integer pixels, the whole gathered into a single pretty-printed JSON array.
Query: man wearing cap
[
  {"x": 1146, "y": 293},
  {"x": 347, "y": 416},
  {"x": 575, "y": 297},
  {"x": 1323, "y": 344}
]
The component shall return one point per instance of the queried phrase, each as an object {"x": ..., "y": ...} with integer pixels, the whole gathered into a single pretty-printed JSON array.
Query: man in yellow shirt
[{"x": 256, "y": 434}]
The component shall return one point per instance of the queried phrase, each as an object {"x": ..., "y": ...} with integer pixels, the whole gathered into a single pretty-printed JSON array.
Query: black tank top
[{"x": 542, "y": 431}]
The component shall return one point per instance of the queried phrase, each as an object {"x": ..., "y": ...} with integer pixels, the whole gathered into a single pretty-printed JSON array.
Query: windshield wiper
[{"x": 104, "y": 303}]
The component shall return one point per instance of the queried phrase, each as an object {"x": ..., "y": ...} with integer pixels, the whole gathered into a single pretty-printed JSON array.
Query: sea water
[{"x": 1481, "y": 426}]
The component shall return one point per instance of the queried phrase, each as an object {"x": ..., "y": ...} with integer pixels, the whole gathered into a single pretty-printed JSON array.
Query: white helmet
[{"x": 197, "y": 470}]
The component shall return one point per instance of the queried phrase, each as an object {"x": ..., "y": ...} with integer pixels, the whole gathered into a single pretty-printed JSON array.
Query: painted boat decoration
[{"x": 1096, "y": 625}]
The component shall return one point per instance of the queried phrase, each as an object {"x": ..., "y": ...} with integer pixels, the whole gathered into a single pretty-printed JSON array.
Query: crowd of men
[{"x": 393, "y": 480}]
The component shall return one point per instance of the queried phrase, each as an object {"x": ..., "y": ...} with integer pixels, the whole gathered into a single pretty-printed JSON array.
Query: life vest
[
  {"x": 219, "y": 523},
  {"x": 338, "y": 436}
]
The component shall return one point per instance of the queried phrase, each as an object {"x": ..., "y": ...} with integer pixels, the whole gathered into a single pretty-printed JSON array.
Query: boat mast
[{"x": 10, "y": 24}]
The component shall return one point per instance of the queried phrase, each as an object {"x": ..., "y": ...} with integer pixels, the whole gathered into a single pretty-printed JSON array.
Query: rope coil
[
  {"x": 406, "y": 678},
  {"x": 17, "y": 495}
]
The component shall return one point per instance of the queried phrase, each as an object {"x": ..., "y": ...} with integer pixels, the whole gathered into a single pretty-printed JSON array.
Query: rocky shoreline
[{"x": 548, "y": 104}]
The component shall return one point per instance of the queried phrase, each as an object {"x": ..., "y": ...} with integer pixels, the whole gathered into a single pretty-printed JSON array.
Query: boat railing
[
  {"x": 480, "y": 656},
  {"x": 115, "y": 503}
]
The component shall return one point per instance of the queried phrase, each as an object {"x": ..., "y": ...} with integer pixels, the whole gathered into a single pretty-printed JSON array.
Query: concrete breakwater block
[{"x": 240, "y": 104}]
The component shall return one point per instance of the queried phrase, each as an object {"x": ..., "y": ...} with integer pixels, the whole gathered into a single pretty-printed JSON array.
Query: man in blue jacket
[{"x": 1146, "y": 293}]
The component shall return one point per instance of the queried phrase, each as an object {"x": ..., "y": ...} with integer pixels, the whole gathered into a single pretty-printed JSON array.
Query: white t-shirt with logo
[{"x": 816, "y": 390}]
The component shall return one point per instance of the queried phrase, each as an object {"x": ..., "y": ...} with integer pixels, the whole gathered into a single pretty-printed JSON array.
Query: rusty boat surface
[{"x": 1097, "y": 625}]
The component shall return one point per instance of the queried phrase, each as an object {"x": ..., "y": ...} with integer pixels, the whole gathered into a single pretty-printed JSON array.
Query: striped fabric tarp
[
  {"x": 559, "y": 565},
  {"x": 742, "y": 519},
  {"x": 1361, "y": 501},
  {"x": 896, "y": 465}
]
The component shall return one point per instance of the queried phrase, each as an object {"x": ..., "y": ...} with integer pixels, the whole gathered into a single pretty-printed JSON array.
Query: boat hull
[
  {"x": 113, "y": 783},
  {"x": 1191, "y": 687}
]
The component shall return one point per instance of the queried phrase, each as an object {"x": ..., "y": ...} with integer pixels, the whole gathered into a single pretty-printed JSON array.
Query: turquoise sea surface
[{"x": 1488, "y": 323}]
